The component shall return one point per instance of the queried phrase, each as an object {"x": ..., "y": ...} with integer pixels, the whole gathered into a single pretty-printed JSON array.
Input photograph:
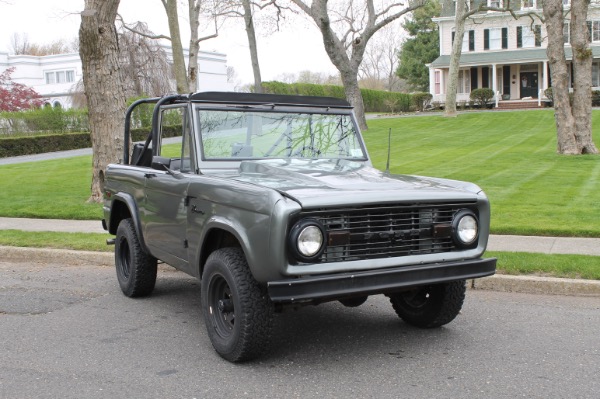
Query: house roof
[{"x": 504, "y": 57}]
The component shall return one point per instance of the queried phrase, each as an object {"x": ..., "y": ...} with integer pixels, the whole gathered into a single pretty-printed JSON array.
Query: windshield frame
[{"x": 228, "y": 163}]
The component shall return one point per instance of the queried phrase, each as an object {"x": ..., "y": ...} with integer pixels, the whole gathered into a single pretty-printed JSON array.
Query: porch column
[
  {"x": 431, "y": 81},
  {"x": 495, "y": 83},
  {"x": 545, "y": 75}
]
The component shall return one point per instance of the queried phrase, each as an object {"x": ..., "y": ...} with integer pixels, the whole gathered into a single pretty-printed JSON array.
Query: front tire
[
  {"x": 136, "y": 269},
  {"x": 430, "y": 306},
  {"x": 237, "y": 312}
]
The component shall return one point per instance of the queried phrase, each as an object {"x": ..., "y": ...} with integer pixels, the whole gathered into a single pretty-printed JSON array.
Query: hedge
[
  {"x": 46, "y": 120},
  {"x": 12, "y": 147},
  {"x": 374, "y": 100}
]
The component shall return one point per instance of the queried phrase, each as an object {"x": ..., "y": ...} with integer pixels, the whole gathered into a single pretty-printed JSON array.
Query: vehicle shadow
[{"x": 325, "y": 334}]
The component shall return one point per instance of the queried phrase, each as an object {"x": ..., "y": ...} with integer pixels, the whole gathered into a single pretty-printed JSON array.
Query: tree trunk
[
  {"x": 582, "y": 77},
  {"x": 178, "y": 60},
  {"x": 452, "y": 86},
  {"x": 573, "y": 121},
  {"x": 99, "y": 52},
  {"x": 194, "y": 14},
  {"x": 354, "y": 97},
  {"x": 248, "y": 20}
]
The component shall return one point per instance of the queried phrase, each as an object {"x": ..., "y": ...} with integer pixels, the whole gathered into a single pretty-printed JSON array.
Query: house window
[
  {"x": 495, "y": 38},
  {"x": 527, "y": 4},
  {"x": 595, "y": 31},
  {"x": 566, "y": 33},
  {"x": 60, "y": 77},
  {"x": 468, "y": 42},
  {"x": 527, "y": 37},
  {"x": 438, "y": 82},
  {"x": 50, "y": 78},
  {"x": 596, "y": 74},
  {"x": 566, "y": 2},
  {"x": 495, "y": 3},
  {"x": 464, "y": 81}
]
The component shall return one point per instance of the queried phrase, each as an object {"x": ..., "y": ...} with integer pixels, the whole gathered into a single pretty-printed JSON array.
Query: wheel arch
[
  {"x": 218, "y": 237},
  {"x": 123, "y": 206}
]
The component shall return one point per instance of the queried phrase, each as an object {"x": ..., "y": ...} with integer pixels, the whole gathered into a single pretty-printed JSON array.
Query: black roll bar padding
[{"x": 128, "y": 125}]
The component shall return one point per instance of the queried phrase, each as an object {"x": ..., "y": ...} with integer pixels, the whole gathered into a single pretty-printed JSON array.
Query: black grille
[{"x": 385, "y": 231}]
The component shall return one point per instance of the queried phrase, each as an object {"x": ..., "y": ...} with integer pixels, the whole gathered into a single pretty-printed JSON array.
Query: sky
[{"x": 296, "y": 47}]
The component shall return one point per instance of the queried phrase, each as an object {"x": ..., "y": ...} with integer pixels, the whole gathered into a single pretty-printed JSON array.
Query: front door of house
[{"x": 528, "y": 84}]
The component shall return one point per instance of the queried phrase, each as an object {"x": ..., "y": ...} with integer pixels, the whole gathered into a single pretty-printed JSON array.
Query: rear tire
[
  {"x": 237, "y": 312},
  {"x": 430, "y": 306},
  {"x": 136, "y": 269}
]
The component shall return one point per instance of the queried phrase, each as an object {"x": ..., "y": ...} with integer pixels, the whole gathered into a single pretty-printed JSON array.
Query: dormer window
[{"x": 529, "y": 4}]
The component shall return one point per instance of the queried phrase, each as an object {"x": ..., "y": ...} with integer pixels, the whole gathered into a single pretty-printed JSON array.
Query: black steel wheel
[
  {"x": 237, "y": 312},
  {"x": 136, "y": 269},
  {"x": 430, "y": 306}
]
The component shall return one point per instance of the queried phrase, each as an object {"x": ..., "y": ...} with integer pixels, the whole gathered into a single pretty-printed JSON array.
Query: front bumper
[{"x": 343, "y": 285}]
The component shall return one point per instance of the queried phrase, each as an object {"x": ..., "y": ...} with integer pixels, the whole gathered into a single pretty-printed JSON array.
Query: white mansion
[{"x": 54, "y": 76}]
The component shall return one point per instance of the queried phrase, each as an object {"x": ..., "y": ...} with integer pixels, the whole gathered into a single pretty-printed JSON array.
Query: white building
[
  {"x": 54, "y": 76},
  {"x": 502, "y": 53}
]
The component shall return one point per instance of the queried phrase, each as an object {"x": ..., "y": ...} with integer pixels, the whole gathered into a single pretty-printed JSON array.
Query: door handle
[{"x": 195, "y": 209}]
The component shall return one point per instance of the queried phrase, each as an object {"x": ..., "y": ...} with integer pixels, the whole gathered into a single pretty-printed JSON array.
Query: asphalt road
[{"x": 68, "y": 332}]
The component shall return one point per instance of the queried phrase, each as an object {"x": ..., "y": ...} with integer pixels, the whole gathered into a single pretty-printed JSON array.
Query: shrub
[
  {"x": 548, "y": 94},
  {"x": 44, "y": 120},
  {"x": 596, "y": 98},
  {"x": 481, "y": 96},
  {"x": 421, "y": 100}
]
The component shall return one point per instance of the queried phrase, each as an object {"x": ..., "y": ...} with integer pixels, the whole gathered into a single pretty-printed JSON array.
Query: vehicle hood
[{"x": 315, "y": 183}]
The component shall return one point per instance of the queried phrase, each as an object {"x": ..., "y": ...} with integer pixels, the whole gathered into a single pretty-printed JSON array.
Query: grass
[
  {"x": 566, "y": 266},
  {"x": 43, "y": 239},
  {"x": 56, "y": 189},
  {"x": 511, "y": 155}
]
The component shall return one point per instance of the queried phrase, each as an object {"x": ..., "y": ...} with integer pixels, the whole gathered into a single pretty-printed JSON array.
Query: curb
[
  {"x": 537, "y": 285},
  {"x": 498, "y": 282}
]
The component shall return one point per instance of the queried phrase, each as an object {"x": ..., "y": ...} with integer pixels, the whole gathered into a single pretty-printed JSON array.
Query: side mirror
[{"x": 161, "y": 163}]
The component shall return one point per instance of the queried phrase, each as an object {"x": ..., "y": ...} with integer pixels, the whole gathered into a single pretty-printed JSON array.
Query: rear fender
[{"x": 123, "y": 206}]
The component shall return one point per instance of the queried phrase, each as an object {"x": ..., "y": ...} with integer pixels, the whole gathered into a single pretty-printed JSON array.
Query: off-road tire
[
  {"x": 430, "y": 306},
  {"x": 237, "y": 311},
  {"x": 136, "y": 269}
]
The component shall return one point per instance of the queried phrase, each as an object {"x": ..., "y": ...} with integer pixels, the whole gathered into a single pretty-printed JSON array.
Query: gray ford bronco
[{"x": 272, "y": 202}]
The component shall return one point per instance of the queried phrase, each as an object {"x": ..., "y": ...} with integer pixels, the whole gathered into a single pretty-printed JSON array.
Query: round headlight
[
  {"x": 466, "y": 228},
  {"x": 310, "y": 241},
  {"x": 307, "y": 239}
]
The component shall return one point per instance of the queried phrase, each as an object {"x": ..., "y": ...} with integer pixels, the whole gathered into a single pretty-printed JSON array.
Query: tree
[
  {"x": 103, "y": 82},
  {"x": 16, "y": 96},
  {"x": 573, "y": 121},
  {"x": 464, "y": 10},
  {"x": 356, "y": 24},
  {"x": 144, "y": 64},
  {"x": 378, "y": 69},
  {"x": 246, "y": 9},
  {"x": 423, "y": 46},
  {"x": 21, "y": 45},
  {"x": 185, "y": 81}
]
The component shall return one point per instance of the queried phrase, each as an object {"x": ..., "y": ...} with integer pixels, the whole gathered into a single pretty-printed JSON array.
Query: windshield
[{"x": 235, "y": 135}]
